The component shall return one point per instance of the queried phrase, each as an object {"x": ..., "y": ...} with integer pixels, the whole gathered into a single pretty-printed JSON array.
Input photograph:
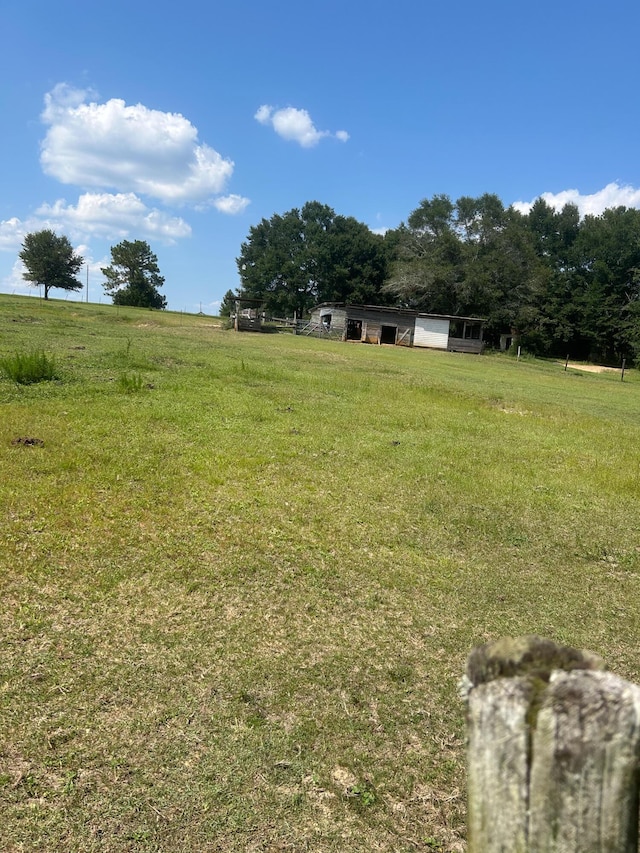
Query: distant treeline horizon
[{"x": 557, "y": 283}]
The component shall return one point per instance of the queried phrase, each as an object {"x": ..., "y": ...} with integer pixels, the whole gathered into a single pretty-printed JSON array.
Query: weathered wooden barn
[{"x": 375, "y": 324}]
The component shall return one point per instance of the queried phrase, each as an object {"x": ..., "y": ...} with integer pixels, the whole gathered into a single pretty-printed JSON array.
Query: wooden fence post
[{"x": 553, "y": 751}]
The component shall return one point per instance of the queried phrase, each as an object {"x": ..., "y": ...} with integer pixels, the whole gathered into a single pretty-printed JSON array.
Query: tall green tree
[
  {"x": 591, "y": 302},
  {"x": 227, "y": 305},
  {"x": 133, "y": 277},
  {"x": 554, "y": 234},
  {"x": 50, "y": 261},
  {"x": 608, "y": 297},
  {"x": 426, "y": 270},
  {"x": 309, "y": 255},
  {"x": 502, "y": 274},
  {"x": 468, "y": 258}
]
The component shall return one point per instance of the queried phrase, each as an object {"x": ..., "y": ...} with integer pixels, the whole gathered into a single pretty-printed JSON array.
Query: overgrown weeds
[
  {"x": 131, "y": 383},
  {"x": 27, "y": 368}
]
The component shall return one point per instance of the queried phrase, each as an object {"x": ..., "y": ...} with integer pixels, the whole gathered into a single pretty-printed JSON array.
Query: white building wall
[{"x": 431, "y": 332}]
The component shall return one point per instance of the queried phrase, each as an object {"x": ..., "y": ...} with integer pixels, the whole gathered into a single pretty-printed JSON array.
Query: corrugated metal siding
[{"x": 431, "y": 332}]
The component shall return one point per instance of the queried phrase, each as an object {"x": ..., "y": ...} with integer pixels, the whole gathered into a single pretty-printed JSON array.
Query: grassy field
[{"x": 240, "y": 575}]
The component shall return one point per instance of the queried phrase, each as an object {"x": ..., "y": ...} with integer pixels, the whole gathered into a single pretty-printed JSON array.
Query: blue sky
[{"x": 184, "y": 124}]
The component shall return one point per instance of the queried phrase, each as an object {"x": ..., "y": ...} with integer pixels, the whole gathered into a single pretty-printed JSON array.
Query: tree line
[{"x": 557, "y": 283}]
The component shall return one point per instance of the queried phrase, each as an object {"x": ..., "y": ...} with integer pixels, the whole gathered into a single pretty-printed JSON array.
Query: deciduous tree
[
  {"x": 468, "y": 258},
  {"x": 50, "y": 261},
  {"x": 295, "y": 260}
]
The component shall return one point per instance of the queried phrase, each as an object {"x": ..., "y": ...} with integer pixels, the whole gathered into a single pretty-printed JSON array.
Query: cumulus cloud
[
  {"x": 264, "y": 114},
  {"x": 100, "y": 215},
  {"x": 295, "y": 125},
  {"x": 613, "y": 195},
  {"x": 14, "y": 282},
  {"x": 12, "y": 233},
  {"x": 113, "y": 216},
  {"x": 231, "y": 204},
  {"x": 131, "y": 149}
]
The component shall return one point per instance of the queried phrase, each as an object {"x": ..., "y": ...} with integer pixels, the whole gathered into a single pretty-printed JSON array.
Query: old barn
[{"x": 374, "y": 324}]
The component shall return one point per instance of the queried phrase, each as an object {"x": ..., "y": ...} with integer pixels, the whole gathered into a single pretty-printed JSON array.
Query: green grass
[
  {"x": 27, "y": 368},
  {"x": 238, "y": 601}
]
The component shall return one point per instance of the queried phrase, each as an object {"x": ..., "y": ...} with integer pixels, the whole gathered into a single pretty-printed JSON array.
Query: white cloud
[
  {"x": 264, "y": 114},
  {"x": 98, "y": 215},
  {"x": 295, "y": 125},
  {"x": 14, "y": 282},
  {"x": 113, "y": 216},
  {"x": 132, "y": 149},
  {"x": 12, "y": 233},
  {"x": 231, "y": 204},
  {"x": 613, "y": 195}
]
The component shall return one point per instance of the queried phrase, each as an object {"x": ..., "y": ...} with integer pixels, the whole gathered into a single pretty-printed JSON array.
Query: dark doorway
[
  {"x": 388, "y": 334},
  {"x": 354, "y": 330}
]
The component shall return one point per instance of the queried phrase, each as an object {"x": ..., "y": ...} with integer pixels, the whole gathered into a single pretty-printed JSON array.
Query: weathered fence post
[{"x": 553, "y": 751}]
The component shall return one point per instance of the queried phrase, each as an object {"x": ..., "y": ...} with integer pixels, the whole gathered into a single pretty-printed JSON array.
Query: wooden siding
[
  {"x": 338, "y": 316},
  {"x": 373, "y": 319},
  {"x": 372, "y": 333},
  {"x": 248, "y": 324},
  {"x": 465, "y": 345}
]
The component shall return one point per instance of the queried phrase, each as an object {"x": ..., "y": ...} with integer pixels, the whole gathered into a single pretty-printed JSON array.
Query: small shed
[
  {"x": 376, "y": 324},
  {"x": 248, "y": 314}
]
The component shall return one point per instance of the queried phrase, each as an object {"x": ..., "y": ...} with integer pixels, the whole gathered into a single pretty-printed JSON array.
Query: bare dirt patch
[{"x": 593, "y": 368}]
